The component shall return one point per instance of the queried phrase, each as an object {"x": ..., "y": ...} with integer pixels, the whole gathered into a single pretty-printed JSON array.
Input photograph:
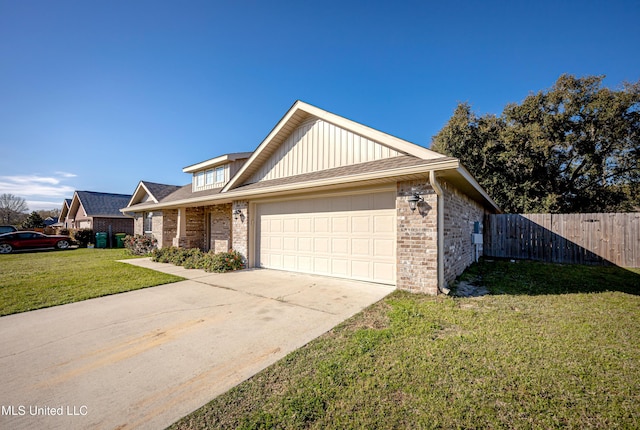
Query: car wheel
[
  {"x": 63, "y": 244},
  {"x": 5, "y": 248}
]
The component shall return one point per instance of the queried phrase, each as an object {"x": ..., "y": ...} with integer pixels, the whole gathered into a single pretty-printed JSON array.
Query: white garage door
[{"x": 346, "y": 236}]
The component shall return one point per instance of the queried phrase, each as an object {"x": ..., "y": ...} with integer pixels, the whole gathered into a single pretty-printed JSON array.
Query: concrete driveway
[{"x": 146, "y": 358}]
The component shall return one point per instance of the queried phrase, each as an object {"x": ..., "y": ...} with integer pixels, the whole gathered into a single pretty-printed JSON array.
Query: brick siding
[
  {"x": 417, "y": 239},
  {"x": 460, "y": 214},
  {"x": 240, "y": 232},
  {"x": 167, "y": 227},
  {"x": 220, "y": 220}
]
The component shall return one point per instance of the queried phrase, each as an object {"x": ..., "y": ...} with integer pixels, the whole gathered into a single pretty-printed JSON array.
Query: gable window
[
  {"x": 200, "y": 179},
  {"x": 148, "y": 223},
  {"x": 220, "y": 174},
  {"x": 209, "y": 177}
]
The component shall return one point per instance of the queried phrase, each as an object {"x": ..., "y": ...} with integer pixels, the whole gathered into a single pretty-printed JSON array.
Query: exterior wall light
[
  {"x": 238, "y": 213},
  {"x": 414, "y": 200}
]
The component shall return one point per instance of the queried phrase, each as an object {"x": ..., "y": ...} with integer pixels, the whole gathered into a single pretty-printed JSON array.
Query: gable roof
[
  {"x": 404, "y": 161},
  {"x": 97, "y": 204},
  {"x": 66, "y": 205},
  {"x": 156, "y": 192},
  {"x": 300, "y": 112}
]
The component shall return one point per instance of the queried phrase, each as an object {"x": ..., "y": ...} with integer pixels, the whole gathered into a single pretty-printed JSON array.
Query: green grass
[
  {"x": 533, "y": 358},
  {"x": 37, "y": 280}
]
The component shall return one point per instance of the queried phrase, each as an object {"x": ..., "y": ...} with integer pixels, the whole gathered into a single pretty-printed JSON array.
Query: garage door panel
[
  {"x": 289, "y": 225},
  {"x": 340, "y": 224},
  {"x": 288, "y": 260},
  {"x": 340, "y": 267},
  {"x": 321, "y": 265},
  {"x": 305, "y": 263},
  {"x": 275, "y": 225},
  {"x": 305, "y": 244},
  {"x": 383, "y": 247},
  {"x": 346, "y": 236},
  {"x": 361, "y": 224},
  {"x": 321, "y": 225},
  {"x": 289, "y": 244},
  {"x": 340, "y": 246},
  {"x": 275, "y": 243},
  {"x": 360, "y": 269},
  {"x": 360, "y": 247},
  {"x": 304, "y": 225},
  {"x": 321, "y": 245}
]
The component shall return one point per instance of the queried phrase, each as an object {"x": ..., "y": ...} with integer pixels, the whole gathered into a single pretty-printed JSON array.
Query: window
[
  {"x": 200, "y": 179},
  {"x": 219, "y": 174},
  {"x": 148, "y": 223},
  {"x": 209, "y": 177}
]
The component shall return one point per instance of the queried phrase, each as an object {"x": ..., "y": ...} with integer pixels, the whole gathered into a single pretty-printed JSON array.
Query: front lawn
[
  {"x": 529, "y": 356},
  {"x": 36, "y": 280}
]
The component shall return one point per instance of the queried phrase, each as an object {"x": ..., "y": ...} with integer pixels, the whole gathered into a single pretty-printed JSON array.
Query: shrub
[
  {"x": 64, "y": 231},
  {"x": 83, "y": 237},
  {"x": 140, "y": 244},
  {"x": 196, "y": 259},
  {"x": 224, "y": 262}
]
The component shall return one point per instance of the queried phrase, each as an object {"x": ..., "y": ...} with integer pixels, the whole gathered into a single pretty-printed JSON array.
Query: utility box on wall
[{"x": 476, "y": 238}]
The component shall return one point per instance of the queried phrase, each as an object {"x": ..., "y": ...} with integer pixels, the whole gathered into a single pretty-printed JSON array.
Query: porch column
[{"x": 181, "y": 229}]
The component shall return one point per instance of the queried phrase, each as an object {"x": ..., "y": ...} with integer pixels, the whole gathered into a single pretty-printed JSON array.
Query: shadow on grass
[
  {"x": 41, "y": 250},
  {"x": 522, "y": 277}
]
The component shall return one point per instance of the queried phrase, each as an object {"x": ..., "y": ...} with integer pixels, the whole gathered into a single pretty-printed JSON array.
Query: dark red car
[{"x": 31, "y": 240}]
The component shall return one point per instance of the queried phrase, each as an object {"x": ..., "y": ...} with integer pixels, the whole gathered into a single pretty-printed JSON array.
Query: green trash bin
[
  {"x": 120, "y": 239},
  {"x": 101, "y": 240}
]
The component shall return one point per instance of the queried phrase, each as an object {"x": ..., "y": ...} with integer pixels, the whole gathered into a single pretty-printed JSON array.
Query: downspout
[{"x": 440, "y": 207}]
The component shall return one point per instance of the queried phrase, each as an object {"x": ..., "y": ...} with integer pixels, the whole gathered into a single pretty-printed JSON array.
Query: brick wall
[
  {"x": 195, "y": 227},
  {"x": 417, "y": 239},
  {"x": 460, "y": 214},
  {"x": 220, "y": 227},
  {"x": 240, "y": 231},
  {"x": 118, "y": 225},
  {"x": 168, "y": 227},
  {"x": 138, "y": 223}
]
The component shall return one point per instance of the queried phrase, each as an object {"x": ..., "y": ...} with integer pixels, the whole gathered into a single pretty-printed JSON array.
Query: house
[
  {"x": 325, "y": 195},
  {"x": 50, "y": 221},
  {"x": 97, "y": 211},
  {"x": 62, "y": 219}
]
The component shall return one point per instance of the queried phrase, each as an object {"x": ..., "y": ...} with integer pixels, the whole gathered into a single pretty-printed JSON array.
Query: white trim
[{"x": 215, "y": 161}]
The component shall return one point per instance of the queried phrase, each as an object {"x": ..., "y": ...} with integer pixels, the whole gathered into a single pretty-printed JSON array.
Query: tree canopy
[
  {"x": 572, "y": 148},
  {"x": 34, "y": 220},
  {"x": 12, "y": 208}
]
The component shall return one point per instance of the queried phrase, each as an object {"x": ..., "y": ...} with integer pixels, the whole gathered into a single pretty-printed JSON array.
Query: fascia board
[
  {"x": 363, "y": 130},
  {"x": 215, "y": 161},
  {"x": 139, "y": 188},
  {"x": 341, "y": 180},
  {"x": 265, "y": 142},
  {"x": 372, "y": 134},
  {"x": 471, "y": 180},
  {"x": 205, "y": 164}
]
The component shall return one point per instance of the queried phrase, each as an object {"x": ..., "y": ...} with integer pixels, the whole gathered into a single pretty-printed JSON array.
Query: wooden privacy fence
[{"x": 598, "y": 238}]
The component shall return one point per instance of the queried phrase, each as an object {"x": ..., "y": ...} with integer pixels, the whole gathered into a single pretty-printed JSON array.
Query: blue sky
[{"x": 98, "y": 95}]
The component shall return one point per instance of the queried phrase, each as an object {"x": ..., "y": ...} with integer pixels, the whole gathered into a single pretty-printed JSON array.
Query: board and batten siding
[{"x": 319, "y": 145}]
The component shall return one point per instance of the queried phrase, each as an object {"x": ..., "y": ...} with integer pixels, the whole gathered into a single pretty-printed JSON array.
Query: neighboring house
[
  {"x": 325, "y": 195},
  {"x": 62, "y": 219},
  {"x": 97, "y": 211},
  {"x": 50, "y": 221}
]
